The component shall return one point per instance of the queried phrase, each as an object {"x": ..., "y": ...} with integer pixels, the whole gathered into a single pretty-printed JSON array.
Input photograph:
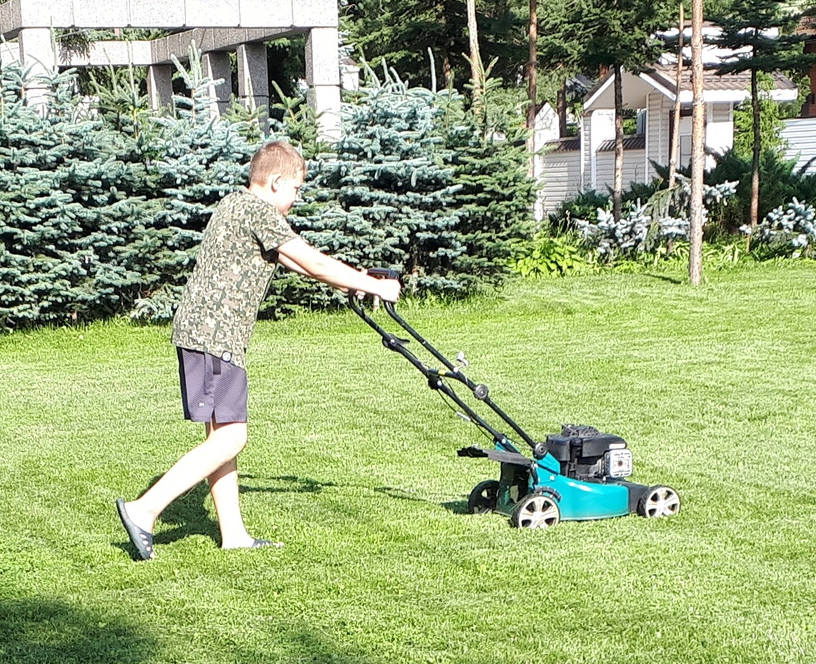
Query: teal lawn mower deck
[{"x": 577, "y": 474}]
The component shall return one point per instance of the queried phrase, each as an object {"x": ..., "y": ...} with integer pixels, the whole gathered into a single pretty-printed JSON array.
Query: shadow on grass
[
  {"x": 665, "y": 277},
  {"x": 285, "y": 484},
  {"x": 307, "y": 646},
  {"x": 295, "y": 484},
  {"x": 46, "y": 631},
  {"x": 188, "y": 515},
  {"x": 455, "y": 506}
]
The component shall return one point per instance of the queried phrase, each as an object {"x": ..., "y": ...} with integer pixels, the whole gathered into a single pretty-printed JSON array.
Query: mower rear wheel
[
  {"x": 659, "y": 501},
  {"x": 482, "y": 499},
  {"x": 537, "y": 510}
]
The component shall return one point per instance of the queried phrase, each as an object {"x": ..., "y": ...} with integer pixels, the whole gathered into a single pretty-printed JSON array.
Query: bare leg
[
  {"x": 222, "y": 445},
  {"x": 224, "y": 490}
]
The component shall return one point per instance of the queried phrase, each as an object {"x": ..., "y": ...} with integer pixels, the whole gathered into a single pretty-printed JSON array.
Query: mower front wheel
[
  {"x": 537, "y": 510},
  {"x": 483, "y": 498},
  {"x": 659, "y": 501}
]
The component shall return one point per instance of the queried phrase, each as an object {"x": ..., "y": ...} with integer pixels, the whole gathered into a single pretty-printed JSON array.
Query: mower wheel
[
  {"x": 659, "y": 501},
  {"x": 537, "y": 510},
  {"x": 482, "y": 499}
]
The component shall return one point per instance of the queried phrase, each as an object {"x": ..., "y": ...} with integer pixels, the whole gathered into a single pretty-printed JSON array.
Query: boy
[{"x": 243, "y": 242}]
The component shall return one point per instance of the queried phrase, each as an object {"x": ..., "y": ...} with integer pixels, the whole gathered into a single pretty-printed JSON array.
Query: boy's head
[
  {"x": 276, "y": 159},
  {"x": 276, "y": 174}
]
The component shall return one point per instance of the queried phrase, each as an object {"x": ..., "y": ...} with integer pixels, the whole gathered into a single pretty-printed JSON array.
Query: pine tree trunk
[
  {"x": 755, "y": 161},
  {"x": 561, "y": 108},
  {"x": 532, "y": 93},
  {"x": 475, "y": 57},
  {"x": 697, "y": 153},
  {"x": 678, "y": 79},
  {"x": 531, "y": 65},
  {"x": 617, "y": 191}
]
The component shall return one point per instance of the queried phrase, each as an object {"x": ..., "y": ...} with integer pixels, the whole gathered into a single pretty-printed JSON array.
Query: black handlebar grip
[{"x": 382, "y": 273}]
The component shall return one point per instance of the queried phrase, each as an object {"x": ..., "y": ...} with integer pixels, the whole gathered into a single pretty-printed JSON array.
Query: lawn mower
[{"x": 577, "y": 474}]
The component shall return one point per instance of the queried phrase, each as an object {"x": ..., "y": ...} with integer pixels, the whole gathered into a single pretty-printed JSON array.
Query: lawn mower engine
[{"x": 584, "y": 453}]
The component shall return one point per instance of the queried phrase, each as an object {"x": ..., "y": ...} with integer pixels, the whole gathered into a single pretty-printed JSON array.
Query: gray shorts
[{"x": 211, "y": 389}]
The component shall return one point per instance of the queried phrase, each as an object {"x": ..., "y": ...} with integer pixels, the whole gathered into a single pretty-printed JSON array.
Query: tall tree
[
  {"x": 678, "y": 79},
  {"x": 531, "y": 69},
  {"x": 697, "y": 139},
  {"x": 615, "y": 35},
  {"x": 747, "y": 31},
  {"x": 402, "y": 31},
  {"x": 476, "y": 65},
  {"x": 556, "y": 55}
]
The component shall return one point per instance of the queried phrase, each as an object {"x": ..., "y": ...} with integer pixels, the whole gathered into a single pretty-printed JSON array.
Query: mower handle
[
  {"x": 392, "y": 342},
  {"x": 382, "y": 273}
]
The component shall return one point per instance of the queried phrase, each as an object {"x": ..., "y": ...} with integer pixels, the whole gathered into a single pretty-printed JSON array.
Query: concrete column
[
  {"x": 9, "y": 53},
  {"x": 253, "y": 77},
  {"x": 216, "y": 66},
  {"x": 37, "y": 53},
  {"x": 160, "y": 86},
  {"x": 323, "y": 79}
]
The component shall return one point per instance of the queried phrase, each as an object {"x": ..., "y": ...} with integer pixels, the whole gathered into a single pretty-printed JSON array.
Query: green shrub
[
  {"x": 788, "y": 231},
  {"x": 584, "y": 206},
  {"x": 546, "y": 256}
]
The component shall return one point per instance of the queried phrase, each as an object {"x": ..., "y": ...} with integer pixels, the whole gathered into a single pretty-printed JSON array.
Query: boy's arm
[
  {"x": 291, "y": 265},
  {"x": 301, "y": 257}
]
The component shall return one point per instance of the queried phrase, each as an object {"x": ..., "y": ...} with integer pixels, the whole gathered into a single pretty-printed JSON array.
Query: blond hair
[{"x": 276, "y": 158}]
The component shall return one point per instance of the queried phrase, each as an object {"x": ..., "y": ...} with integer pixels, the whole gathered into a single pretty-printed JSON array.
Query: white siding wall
[
  {"x": 657, "y": 130},
  {"x": 719, "y": 130},
  {"x": 633, "y": 169},
  {"x": 560, "y": 177},
  {"x": 800, "y": 134}
]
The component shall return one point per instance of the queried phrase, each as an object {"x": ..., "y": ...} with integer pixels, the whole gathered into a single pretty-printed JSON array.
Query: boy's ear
[{"x": 272, "y": 182}]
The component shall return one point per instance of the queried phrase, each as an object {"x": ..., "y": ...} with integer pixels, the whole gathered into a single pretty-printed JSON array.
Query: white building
[{"x": 567, "y": 166}]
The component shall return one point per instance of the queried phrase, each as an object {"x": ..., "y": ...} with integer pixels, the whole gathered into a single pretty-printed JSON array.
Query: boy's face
[{"x": 286, "y": 191}]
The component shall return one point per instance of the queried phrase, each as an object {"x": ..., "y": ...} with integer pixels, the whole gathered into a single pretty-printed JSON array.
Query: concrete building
[{"x": 218, "y": 27}]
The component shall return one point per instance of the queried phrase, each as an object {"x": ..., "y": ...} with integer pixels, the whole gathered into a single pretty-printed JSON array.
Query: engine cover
[{"x": 582, "y": 453}]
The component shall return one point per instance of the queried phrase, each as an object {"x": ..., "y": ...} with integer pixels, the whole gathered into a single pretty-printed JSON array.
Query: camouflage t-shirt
[{"x": 235, "y": 263}]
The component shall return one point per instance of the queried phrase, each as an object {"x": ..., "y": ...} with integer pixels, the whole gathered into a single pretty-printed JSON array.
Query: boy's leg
[
  {"x": 224, "y": 489},
  {"x": 222, "y": 445}
]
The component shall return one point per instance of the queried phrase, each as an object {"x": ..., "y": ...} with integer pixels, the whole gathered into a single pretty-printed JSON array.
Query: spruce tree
[
  {"x": 385, "y": 197},
  {"x": 415, "y": 185},
  {"x": 64, "y": 208}
]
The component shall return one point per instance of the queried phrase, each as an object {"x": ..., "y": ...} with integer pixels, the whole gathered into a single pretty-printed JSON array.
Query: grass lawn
[{"x": 352, "y": 462}]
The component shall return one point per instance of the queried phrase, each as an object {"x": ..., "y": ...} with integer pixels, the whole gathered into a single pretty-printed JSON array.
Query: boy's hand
[{"x": 387, "y": 289}]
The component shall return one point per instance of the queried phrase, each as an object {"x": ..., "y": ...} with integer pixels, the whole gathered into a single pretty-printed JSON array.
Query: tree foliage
[
  {"x": 101, "y": 212},
  {"x": 402, "y": 32},
  {"x": 414, "y": 185}
]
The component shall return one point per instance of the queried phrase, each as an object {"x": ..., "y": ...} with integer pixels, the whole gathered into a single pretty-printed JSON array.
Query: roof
[
  {"x": 666, "y": 75},
  {"x": 567, "y": 144},
  {"x": 629, "y": 143},
  {"x": 729, "y": 88}
]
